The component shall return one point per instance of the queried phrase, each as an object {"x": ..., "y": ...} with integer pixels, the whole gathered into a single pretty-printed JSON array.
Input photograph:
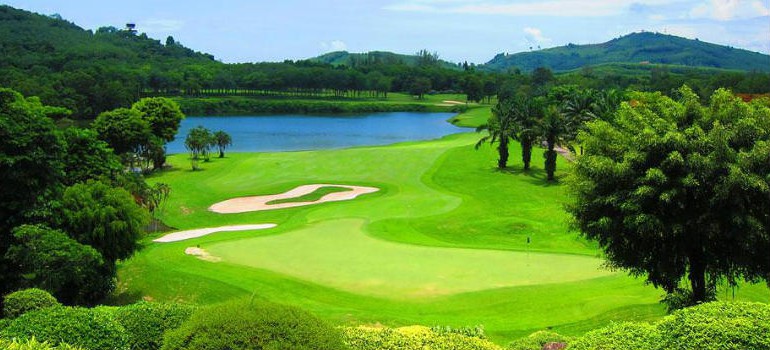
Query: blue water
[{"x": 307, "y": 132}]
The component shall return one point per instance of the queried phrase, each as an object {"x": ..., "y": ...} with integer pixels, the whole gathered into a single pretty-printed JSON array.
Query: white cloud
[
  {"x": 334, "y": 45},
  {"x": 725, "y": 10},
  {"x": 535, "y": 36},
  {"x": 155, "y": 25}
]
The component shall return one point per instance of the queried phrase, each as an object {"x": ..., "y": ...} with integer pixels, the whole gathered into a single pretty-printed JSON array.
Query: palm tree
[
  {"x": 554, "y": 128},
  {"x": 222, "y": 140},
  {"x": 578, "y": 108},
  {"x": 501, "y": 129},
  {"x": 526, "y": 113}
]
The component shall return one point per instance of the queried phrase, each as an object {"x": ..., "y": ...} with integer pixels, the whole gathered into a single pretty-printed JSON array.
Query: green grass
[
  {"x": 443, "y": 243},
  {"x": 312, "y": 196}
]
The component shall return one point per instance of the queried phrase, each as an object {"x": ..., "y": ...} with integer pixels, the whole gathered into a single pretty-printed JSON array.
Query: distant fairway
[
  {"x": 444, "y": 242},
  {"x": 336, "y": 253}
]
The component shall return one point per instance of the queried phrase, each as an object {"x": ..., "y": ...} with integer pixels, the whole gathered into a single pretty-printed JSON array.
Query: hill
[
  {"x": 83, "y": 70},
  {"x": 340, "y": 58},
  {"x": 638, "y": 48}
]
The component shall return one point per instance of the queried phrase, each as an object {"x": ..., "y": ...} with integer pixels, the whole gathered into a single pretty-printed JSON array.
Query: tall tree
[
  {"x": 103, "y": 217},
  {"x": 500, "y": 128},
  {"x": 30, "y": 168},
  {"x": 124, "y": 130},
  {"x": 88, "y": 158},
  {"x": 527, "y": 113},
  {"x": 553, "y": 128},
  {"x": 674, "y": 189},
  {"x": 222, "y": 140},
  {"x": 198, "y": 142}
]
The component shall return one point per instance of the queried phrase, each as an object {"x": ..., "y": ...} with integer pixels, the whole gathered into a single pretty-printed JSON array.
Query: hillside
[
  {"x": 637, "y": 48},
  {"x": 338, "y": 58},
  {"x": 82, "y": 70}
]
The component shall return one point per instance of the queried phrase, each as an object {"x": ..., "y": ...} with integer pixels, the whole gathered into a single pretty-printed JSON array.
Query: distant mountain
[
  {"x": 339, "y": 58},
  {"x": 637, "y": 48}
]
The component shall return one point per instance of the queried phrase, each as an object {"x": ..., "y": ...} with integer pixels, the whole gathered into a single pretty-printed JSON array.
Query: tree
[
  {"x": 553, "y": 127},
  {"x": 198, "y": 142},
  {"x": 164, "y": 117},
  {"x": 419, "y": 87},
  {"x": 31, "y": 169},
  {"x": 103, "y": 217},
  {"x": 473, "y": 88},
  {"x": 500, "y": 129},
  {"x": 673, "y": 189},
  {"x": 48, "y": 259},
  {"x": 222, "y": 140},
  {"x": 526, "y": 112},
  {"x": 88, "y": 158},
  {"x": 125, "y": 130}
]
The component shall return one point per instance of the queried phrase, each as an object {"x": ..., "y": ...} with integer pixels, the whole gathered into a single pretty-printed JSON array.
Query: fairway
[
  {"x": 336, "y": 253},
  {"x": 447, "y": 240}
]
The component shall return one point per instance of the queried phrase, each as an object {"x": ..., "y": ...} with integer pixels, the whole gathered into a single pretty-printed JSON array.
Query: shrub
[
  {"x": 253, "y": 325},
  {"x": 717, "y": 325},
  {"x": 32, "y": 344},
  {"x": 619, "y": 336},
  {"x": 411, "y": 338},
  {"x": 88, "y": 328},
  {"x": 538, "y": 340},
  {"x": 17, "y": 303},
  {"x": 475, "y": 331},
  {"x": 146, "y": 322}
]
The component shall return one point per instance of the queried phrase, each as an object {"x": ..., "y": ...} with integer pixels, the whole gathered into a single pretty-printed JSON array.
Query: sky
[{"x": 458, "y": 30}]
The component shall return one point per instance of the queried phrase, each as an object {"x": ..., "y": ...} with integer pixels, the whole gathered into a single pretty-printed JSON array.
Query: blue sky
[{"x": 473, "y": 30}]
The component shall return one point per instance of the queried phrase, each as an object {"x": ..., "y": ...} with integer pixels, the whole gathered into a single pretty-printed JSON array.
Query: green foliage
[
  {"x": 222, "y": 140},
  {"x": 236, "y": 106},
  {"x": 125, "y": 130},
  {"x": 411, "y": 338},
  {"x": 717, "y": 326},
  {"x": 91, "y": 329},
  {"x": 146, "y": 322},
  {"x": 88, "y": 158},
  {"x": 620, "y": 336},
  {"x": 198, "y": 142},
  {"x": 674, "y": 189},
  {"x": 17, "y": 303},
  {"x": 33, "y": 344},
  {"x": 635, "y": 48},
  {"x": 468, "y": 331},
  {"x": 45, "y": 258},
  {"x": 30, "y": 163},
  {"x": 243, "y": 325},
  {"x": 106, "y": 218},
  {"x": 162, "y": 114},
  {"x": 710, "y": 326},
  {"x": 537, "y": 340}
]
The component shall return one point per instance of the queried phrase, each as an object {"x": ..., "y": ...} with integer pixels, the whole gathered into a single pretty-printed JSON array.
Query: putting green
[{"x": 335, "y": 253}]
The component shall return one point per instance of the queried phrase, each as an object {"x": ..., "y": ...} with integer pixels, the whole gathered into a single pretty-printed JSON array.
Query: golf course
[{"x": 443, "y": 239}]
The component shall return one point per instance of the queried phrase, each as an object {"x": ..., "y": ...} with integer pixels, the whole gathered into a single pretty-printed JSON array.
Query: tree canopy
[{"x": 674, "y": 189}]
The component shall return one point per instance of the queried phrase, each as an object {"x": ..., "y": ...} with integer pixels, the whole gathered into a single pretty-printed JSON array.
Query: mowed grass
[{"x": 442, "y": 204}]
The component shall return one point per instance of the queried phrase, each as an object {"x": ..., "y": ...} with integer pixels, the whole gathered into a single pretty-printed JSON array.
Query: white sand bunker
[
  {"x": 183, "y": 235},
  {"x": 202, "y": 254},
  {"x": 258, "y": 203}
]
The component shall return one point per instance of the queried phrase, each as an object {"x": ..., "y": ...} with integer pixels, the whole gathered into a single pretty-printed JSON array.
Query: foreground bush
[
  {"x": 17, "y": 303},
  {"x": 246, "y": 325},
  {"x": 411, "y": 338},
  {"x": 146, "y": 322},
  {"x": 88, "y": 328},
  {"x": 33, "y": 344},
  {"x": 716, "y": 325},
  {"x": 538, "y": 340}
]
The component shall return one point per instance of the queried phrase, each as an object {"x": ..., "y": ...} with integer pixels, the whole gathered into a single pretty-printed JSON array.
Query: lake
[{"x": 273, "y": 133}]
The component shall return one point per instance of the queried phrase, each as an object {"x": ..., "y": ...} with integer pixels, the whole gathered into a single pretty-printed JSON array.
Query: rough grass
[{"x": 439, "y": 200}]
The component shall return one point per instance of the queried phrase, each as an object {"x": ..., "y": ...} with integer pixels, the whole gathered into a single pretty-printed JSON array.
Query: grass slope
[{"x": 375, "y": 259}]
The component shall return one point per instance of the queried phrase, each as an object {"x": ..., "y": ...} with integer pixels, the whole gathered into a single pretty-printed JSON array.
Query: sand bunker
[
  {"x": 201, "y": 254},
  {"x": 257, "y": 203},
  {"x": 451, "y": 102},
  {"x": 183, "y": 235}
]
